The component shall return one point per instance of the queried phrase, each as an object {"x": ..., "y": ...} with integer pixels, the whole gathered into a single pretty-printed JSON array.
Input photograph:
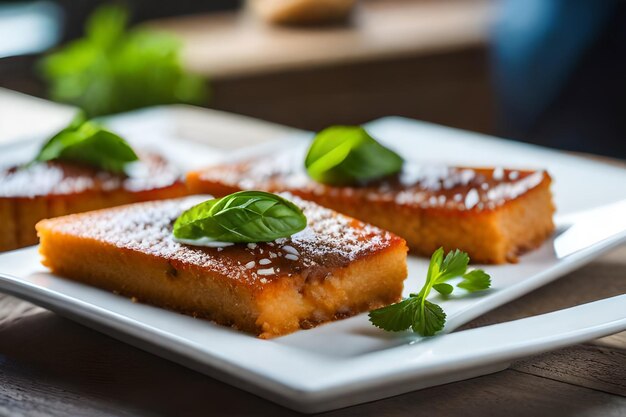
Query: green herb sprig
[
  {"x": 416, "y": 312},
  {"x": 113, "y": 69},
  {"x": 87, "y": 142},
  {"x": 344, "y": 155},
  {"x": 242, "y": 217}
]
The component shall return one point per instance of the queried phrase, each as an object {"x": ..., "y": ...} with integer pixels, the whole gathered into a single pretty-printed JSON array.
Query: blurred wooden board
[
  {"x": 236, "y": 44},
  {"x": 451, "y": 88},
  {"x": 425, "y": 59}
]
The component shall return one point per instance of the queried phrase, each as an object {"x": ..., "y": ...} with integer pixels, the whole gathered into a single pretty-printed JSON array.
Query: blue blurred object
[
  {"x": 544, "y": 55},
  {"x": 29, "y": 28}
]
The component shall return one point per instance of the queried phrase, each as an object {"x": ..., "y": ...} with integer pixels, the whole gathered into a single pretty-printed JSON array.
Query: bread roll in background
[{"x": 302, "y": 12}]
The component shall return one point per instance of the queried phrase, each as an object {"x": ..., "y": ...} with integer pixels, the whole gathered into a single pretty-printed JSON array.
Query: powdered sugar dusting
[
  {"x": 427, "y": 186},
  {"x": 472, "y": 198},
  {"x": 290, "y": 249},
  {"x": 330, "y": 240},
  {"x": 62, "y": 178}
]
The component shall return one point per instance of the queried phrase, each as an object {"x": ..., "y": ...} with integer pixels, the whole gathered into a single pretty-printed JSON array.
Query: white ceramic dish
[{"x": 350, "y": 361}]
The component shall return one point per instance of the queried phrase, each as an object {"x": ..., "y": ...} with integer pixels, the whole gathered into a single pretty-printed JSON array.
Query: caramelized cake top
[
  {"x": 330, "y": 240},
  {"x": 64, "y": 178},
  {"x": 425, "y": 186}
]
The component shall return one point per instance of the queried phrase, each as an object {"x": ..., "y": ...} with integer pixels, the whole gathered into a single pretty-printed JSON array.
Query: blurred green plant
[{"x": 113, "y": 69}]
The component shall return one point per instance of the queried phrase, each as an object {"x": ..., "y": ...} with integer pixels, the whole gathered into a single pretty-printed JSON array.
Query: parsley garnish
[{"x": 416, "y": 312}]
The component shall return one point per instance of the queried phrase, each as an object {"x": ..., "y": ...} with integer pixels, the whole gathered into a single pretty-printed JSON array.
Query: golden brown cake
[
  {"x": 334, "y": 268},
  {"x": 50, "y": 189},
  {"x": 493, "y": 214}
]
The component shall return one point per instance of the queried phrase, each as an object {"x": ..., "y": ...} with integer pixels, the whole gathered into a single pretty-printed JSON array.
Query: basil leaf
[
  {"x": 87, "y": 142},
  {"x": 342, "y": 155},
  {"x": 242, "y": 217}
]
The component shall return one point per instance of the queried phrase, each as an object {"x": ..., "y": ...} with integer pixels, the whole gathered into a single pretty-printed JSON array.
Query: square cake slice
[
  {"x": 493, "y": 214},
  {"x": 55, "y": 188},
  {"x": 334, "y": 268}
]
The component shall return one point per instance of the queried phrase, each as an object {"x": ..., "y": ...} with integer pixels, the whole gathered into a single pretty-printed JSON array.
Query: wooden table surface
[
  {"x": 232, "y": 44},
  {"x": 50, "y": 366}
]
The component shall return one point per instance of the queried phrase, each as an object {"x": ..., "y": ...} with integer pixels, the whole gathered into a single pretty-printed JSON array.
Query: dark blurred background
[{"x": 551, "y": 72}]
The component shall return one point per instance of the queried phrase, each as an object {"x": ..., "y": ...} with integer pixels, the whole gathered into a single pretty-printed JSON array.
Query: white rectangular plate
[{"x": 350, "y": 361}]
